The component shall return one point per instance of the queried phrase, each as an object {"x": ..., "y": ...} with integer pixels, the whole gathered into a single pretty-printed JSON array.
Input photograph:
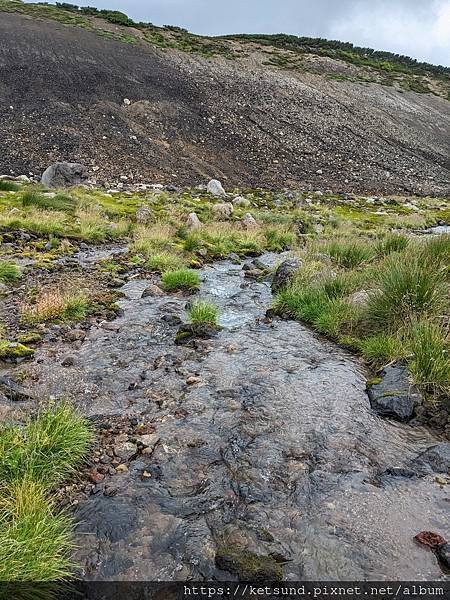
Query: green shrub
[
  {"x": 335, "y": 316},
  {"x": 277, "y": 240},
  {"x": 9, "y": 272},
  {"x": 57, "y": 305},
  {"x": 8, "y": 186},
  {"x": 204, "y": 313},
  {"x": 35, "y": 537},
  {"x": 182, "y": 279}
]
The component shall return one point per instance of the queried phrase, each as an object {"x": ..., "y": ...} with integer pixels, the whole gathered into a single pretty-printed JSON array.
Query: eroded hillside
[{"x": 246, "y": 112}]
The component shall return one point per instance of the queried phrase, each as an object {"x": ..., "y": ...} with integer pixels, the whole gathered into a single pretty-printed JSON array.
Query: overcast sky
[{"x": 418, "y": 28}]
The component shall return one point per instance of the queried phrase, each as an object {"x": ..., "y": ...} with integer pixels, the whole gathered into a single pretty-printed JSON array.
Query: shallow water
[{"x": 275, "y": 450}]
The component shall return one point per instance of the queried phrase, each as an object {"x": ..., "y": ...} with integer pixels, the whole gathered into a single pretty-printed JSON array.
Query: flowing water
[{"x": 272, "y": 450}]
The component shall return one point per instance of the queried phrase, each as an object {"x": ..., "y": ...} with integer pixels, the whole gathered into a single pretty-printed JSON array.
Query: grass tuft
[
  {"x": 60, "y": 202},
  {"x": 182, "y": 279},
  {"x": 204, "y": 313},
  {"x": 430, "y": 364},
  {"x": 35, "y": 537},
  {"x": 349, "y": 253},
  {"x": 8, "y": 186},
  {"x": 9, "y": 272},
  {"x": 408, "y": 287},
  {"x": 57, "y": 305}
]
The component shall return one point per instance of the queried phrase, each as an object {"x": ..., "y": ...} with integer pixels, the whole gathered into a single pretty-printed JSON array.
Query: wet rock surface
[{"x": 255, "y": 452}]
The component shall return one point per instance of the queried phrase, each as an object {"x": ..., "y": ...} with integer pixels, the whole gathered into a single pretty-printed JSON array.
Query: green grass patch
[
  {"x": 430, "y": 363},
  {"x": 348, "y": 253},
  {"x": 60, "y": 202},
  {"x": 165, "y": 261},
  {"x": 35, "y": 537},
  {"x": 57, "y": 305},
  {"x": 408, "y": 286},
  {"x": 8, "y": 186},
  {"x": 181, "y": 279},
  {"x": 9, "y": 272},
  {"x": 204, "y": 313}
]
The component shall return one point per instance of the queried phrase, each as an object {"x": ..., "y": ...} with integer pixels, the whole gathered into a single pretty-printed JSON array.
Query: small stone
[
  {"x": 394, "y": 396},
  {"x": 64, "y": 174},
  {"x": 110, "y": 490},
  {"x": 121, "y": 468},
  {"x": 69, "y": 361},
  {"x": 152, "y": 290},
  {"x": 193, "y": 379},
  {"x": 110, "y": 326},
  {"x": 125, "y": 451},
  {"x": 285, "y": 273},
  {"x": 127, "y": 101},
  {"x": 144, "y": 215},
  {"x": 146, "y": 475},
  {"x": 241, "y": 202},
  {"x": 96, "y": 477}
]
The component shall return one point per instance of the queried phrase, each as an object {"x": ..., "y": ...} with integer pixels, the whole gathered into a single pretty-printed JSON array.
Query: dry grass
[{"x": 57, "y": 305}]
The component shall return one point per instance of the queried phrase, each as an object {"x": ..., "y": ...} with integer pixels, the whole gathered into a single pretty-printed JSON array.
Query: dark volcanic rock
[
  {"x": 285, "y": 274},
  {"x": 13, "y": 390},
  {"x": 64, "y": 174},
  {"x": 443, "y": 554},
  {"x": 192, "y": 331},
  {"x": 394, "y": 396}
]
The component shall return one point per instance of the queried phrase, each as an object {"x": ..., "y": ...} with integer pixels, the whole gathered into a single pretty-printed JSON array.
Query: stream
[{"x": 263, "y": 443}]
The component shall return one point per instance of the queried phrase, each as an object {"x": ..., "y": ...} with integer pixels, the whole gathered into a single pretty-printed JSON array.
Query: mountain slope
[{"x": 313, "y": 123}]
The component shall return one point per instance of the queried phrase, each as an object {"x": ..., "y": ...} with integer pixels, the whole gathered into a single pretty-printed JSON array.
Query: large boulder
[
  {"x": 64, "y": 174},
  {"x": 394, "y": 396},
  {"x": 285, "y": 274},
  {"x": 215, "y": 188}
]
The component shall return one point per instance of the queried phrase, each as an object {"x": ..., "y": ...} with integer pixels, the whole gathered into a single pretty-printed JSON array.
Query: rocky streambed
[{"x": 253, "y": 454}]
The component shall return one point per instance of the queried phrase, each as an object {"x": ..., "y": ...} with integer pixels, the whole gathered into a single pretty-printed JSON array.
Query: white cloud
[{"x": 422, "y": 34}]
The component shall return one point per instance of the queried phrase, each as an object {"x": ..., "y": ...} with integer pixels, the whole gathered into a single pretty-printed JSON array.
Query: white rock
[
  {"x": 224, "y": 209},
  {"x": 23, "y": 178},
  {"x": 215, "y": 188},
  {"x": 241, "y": 201},
  {"x": 193, "y": 222},
  {"x": 249, "y": 222},
  {"x": 127, "y": 101}
]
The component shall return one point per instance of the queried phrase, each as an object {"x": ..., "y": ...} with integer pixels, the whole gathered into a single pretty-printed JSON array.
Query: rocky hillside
[{"x": 161, "y": 105}]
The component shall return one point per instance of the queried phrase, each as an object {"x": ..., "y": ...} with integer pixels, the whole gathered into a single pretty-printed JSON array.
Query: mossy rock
[
  {"x": 29, "y": 338},
  {"x": 247, "y": 565},
  {"x": 14, "y": 350}
]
